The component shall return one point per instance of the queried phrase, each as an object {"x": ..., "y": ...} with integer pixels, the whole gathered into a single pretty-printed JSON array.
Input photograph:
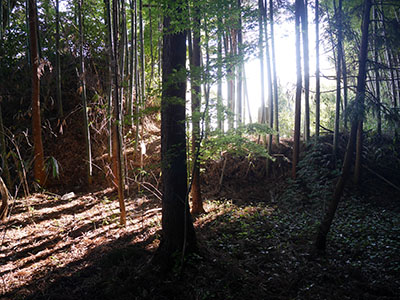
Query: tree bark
[
  {"x": 58, "y": 65},
  {"x": 297, "y": 117},
  {"x": 116, "y": 132},
  {"x": 326, "y": 223},
  {"x": 339, "y": 16},
  {"x": 197, "y": 203},
  {"x": 261, "y": 57},
  {"x": 306, "y": 61},
  {"x": 89, "y": 167},
  {"x": 317, "y": 71},
  {"x": 178, "y": 235},
  {"x": 38, "y": 167},
  {"x": 274, "y": 77}
]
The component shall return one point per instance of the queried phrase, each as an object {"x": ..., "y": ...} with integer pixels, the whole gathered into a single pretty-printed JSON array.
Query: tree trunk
[
  {"x": 58, "y": 65},
  {"x": 178, "y": 235},
  {"x": 220, "y": 104},
  {"x": 116, "y": 132},
  {"x": 38, "y": 167},
  {"x": 197, "y": 204},
  {"x": 4, "y": 201},
  {"x": 338, "y": 78},
  {"x": 3, "y": 150},
  {"x": 239, "y": 105},
  {"x": 297, "y": 117},
  {"x": 326, "y": 223},
  {"x": 317, "y": 71},
  {"x": 274, "y": 77},
  {"x": 306, "y": 61},
  {"x": 377, "y": 75},
  {"x": 89, "y": 168},
  {"x": 261, "y": 57}
]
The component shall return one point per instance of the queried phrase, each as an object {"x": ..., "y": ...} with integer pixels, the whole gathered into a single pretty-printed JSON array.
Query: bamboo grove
[{"x": 105, "y": 60}]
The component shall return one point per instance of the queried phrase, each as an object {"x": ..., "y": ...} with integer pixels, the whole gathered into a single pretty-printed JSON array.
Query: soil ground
[{"x": 255, "y": 241}]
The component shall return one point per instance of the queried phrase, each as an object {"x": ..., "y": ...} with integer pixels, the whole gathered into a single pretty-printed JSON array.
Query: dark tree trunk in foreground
[
  {"x": 297, "y": 117},
  {"x": 38, "y": 166},
  {"x": 326, "y": 223},
  {"x": 178, "y": 235}
]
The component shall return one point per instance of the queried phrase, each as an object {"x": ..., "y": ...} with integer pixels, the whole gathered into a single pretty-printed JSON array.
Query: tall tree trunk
[
  {"x": 270, "y": 90},
  {"x": 178, "y": 235},
  {"x": 297, "y": 117},
  {"x": 132, "y": 65},
  {"x": 326, "y": 223},
  {"x": 239, "y": 105},
  {"x": 377, "y": 75},
  {"x": 197, "y": 203},
  {"x": 89, "y": 168},
  {"x": 317, "y": 72},
  {"x": 142, "y": 62},
  {"x": 58, "y": 65},
  {"x": 116, "y": 132},
  {"x": 109, "y": 73},
  {"x": 261, "y": 57},
  {"x": 345, "y": 88},
  {"x": 220, "y": 104},
  {"x": 3, "y": 151},
  {"x": 338, "y": 13},
  {"x": 38, "y": 166},
  {"x": 306, "y": 61},
  {"x": 274, "y": 77}
]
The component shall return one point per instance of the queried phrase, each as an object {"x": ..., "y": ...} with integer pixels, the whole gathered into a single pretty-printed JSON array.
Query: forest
[{"x": 183, "y": 149}]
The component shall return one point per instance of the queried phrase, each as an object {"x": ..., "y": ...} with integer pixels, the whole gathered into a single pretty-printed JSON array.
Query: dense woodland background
[{"x": 133, "y": 166}]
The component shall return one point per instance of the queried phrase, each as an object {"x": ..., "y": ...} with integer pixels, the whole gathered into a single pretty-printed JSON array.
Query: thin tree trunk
[
  {"x": 58, "y": 65},
  {"x": 377, "y": 75},
  {"x": 297, "y": 118},
  {"x": 326, "y": 223},
  {"x": 345, "y": 88},
  {"x": 109, "y": 69},
  {"x": 239, "y": 105},
  {"x": 274, "y": 77},
  {"x": 220, "y": 105},
  {"x": 3, "y": 150},
  {"x": 338, "y": 78},
  {"x": 197, "y": 204},
  {"x": 306, "y": 61},
  {"x": 142, "y": 62},
  {"x": 261, "y": 57},
  {"x": 317, "y": 71},
  {"x": 89, "y": 168},
  {"x": 116, "y": 132},
  {"x": 38, "y": 167}
]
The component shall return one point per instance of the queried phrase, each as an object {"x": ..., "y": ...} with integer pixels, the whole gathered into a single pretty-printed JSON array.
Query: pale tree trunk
[
  {"x": 197, "y": 204},
  {"x": 274, "y": 77},
  {"x": 326, "y": 223},
  {"x": 261, "y": 57},
  {"x": 270, "y": 90},
  {"x": 220, "y": 104},
  {"x": 116, "y": 132},
  {"x": 239, "y": 105},
  {"x": 297, "y": 117},
  {"x": 86, "y": 132},
  {"x": 38, "y": 166},
  {"x": 317, "y": 72},
  {"x": 306, "y": 61}
]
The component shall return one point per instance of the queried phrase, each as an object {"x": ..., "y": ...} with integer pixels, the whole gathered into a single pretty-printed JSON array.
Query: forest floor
[{"x": 255, "y": 241}]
